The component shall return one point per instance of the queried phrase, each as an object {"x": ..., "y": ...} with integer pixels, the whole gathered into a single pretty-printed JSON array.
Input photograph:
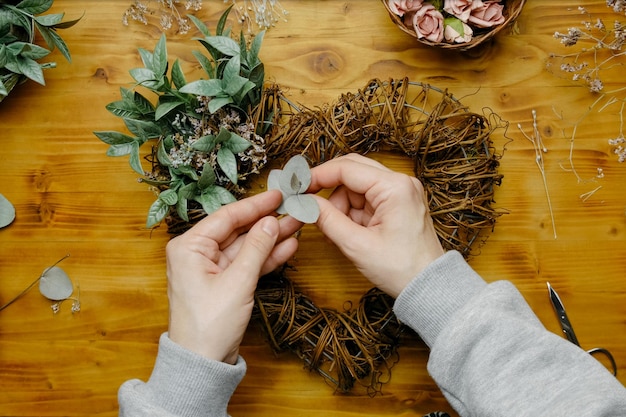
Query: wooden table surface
[{"x": 71, "y": 198}]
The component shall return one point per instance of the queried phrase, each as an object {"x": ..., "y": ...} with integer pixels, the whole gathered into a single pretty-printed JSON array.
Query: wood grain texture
[{"x": 71, "y": 198}]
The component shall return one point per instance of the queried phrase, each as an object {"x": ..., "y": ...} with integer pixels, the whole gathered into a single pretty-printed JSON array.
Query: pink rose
[
  {"x": 452, "y": 33},
  {"x": 427, "y": 22},
  {"x": 489, "y": 15},
  {"x": 461, "y": 8},
  {"x": 401, "y": 7}
]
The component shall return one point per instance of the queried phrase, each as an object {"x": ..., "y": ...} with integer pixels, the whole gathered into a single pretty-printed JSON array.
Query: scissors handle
[{"x": 607, "y": 354}]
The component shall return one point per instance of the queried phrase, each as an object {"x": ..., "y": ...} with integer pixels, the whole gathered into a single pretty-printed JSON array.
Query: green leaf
[
  {"x": 30, "y": 68},
  {"x": 3, "y": 89},
  {"x": 67, "y": 23},
  {"x": 181, "y": 208},
  {"x": 205, "y": 63},
  {"x": 237, "y": 144},
  {"x": 455, "y": 24},
  {"x": 143, "y": 129},
  {"x": 135, "y": 160},
  {"x": 218, "y": 102},
  {"x": 162, "y": 154},
  {"x": 221, "y": 24},
  {"x": 121, "y": 149},
  {"x": 209, "y": 203},
  {"x": 207, "y": 178},
  {"x": 123, "y": 108},
  {"x": 146, "y": 59},
  {"x": 143, "y": 75},
  {"x": 142, "y": 104},
  {"x": 188, "y": 191},
  {"x": 252, "y": 58},
  {"x": 49, "y": 19},
  {"x": 200, "y": 25},
  {"x": 157, "y": 212},
  {"x": 188, "y": 171},
  {"x": 178, "y": 77},
  {"x": 111, "y": 137},
  {"x": 165, "y": 108},
  {"x": 169, "y": 197},
  {"x": 227, "y": 161},
  {"x": 223, "y": 135},
  {"x": 205, "y": 143},
  {"x": 210, "y": 88},
  {"x": 54, "y": 40},
  {"x": 245, "y": 89},
  {"x": 35, "y": 52},
  {"x": 35, "y": 6},
  {"x": 159, "y": 59},
  {"x": 224, "y": 44},
  {"x": 222, "y": 195}
]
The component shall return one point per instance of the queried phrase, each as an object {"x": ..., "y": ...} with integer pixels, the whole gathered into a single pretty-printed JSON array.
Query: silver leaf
[{"x": 54, "y": 284}]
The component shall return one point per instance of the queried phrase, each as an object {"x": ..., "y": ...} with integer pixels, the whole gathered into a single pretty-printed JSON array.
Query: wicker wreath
[
  {"x": 512, "y": 9},
  {"x": 453, "y": 157}
]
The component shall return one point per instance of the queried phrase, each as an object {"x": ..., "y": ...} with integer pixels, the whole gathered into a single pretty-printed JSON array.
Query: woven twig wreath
[{"x": 454, "y": 159}]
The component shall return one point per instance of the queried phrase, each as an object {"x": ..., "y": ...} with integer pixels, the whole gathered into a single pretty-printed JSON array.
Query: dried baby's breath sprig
[
  {"x": 540, "y": 149},
  {"x": 165, "y": 11},
  {"x": 600, "y": 49},
  {"x": 262, "y": 14}
]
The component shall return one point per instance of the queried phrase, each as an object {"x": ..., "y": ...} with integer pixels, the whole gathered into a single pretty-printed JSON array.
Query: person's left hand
[{"x": 213, "y": 270}]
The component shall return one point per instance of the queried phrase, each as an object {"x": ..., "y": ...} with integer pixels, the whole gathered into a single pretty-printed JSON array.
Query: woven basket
[{"x": 512, "y": 9}]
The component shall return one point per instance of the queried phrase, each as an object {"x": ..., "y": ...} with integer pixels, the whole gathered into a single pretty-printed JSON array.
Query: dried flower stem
[{"x": 540, "y": 149}]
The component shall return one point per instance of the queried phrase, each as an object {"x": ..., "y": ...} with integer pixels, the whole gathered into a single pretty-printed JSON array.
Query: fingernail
[{"x": 270, "y": 226}]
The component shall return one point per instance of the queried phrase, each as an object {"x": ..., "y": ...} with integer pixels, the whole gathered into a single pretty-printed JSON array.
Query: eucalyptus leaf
[
  {"x": 7, "y": 212},
  {"x": 227, "y": 161},
  {"x": 35, "y": 6},
  {"x": 302, "y": 207},
  {"x": 218, "y": 102},
  {"x": 205, "y": 143},
  {"x": 209, "y": 88},
  {"x": 178, "y": 77},
  {"x": 157, "y": 212},
  {"x": 55, "y": 285},
  {"x": 293, "y": 181}
]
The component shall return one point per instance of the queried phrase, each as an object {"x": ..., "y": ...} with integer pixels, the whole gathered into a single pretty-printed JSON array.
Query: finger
[
  {"x": 282, "y": 252},
  {"x": 358, "y": 173},
  {"x": 257, "y": 246},
  {"x": 338, "y": 227},
  {"x": 219, "y": 225}
]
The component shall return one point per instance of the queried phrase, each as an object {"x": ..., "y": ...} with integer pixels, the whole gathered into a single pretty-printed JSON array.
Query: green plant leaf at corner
[
  {"x": 160, "y": 208},
  {"x": 227, "y": 161},
  {"x": 7, "y": 212}
]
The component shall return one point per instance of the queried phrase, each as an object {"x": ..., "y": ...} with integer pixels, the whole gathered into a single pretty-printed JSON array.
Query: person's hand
[
  {"x": 213, "y": 270},
  {"x": 378, "y": 218}
]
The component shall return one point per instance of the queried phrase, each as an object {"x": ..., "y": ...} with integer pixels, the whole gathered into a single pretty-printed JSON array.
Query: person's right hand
[{"x": 378, "y": 218}]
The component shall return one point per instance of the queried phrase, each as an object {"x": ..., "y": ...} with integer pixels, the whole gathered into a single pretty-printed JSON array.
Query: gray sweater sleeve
[
  {"x": 182, "y": 384},
  {"x": 491, "y": 356}
]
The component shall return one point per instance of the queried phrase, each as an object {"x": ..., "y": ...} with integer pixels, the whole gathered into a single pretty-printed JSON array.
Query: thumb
[
  {"x": 256, "y": 248},
  {"x": 338, "y": 227}
]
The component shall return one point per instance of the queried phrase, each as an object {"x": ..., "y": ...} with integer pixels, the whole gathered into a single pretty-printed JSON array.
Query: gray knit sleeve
[
  {"x": 182, "y": 384},
  {"x": 490, "y": 354}
]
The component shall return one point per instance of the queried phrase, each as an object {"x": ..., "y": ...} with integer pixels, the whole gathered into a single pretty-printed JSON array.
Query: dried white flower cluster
[
  {"x": 619, "y": 144},
  {"x": 600, "y": 38},
  {"x": 264, "y": 13},
  {"x": 166, "y": 11}
]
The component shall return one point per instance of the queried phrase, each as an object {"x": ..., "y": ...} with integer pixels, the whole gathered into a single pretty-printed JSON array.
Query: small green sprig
[
  {"x": 204, "y": 140},
  {"x": 19, "y": 56}
]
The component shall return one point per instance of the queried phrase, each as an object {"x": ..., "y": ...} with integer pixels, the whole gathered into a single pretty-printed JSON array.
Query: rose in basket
[{"x": 462, "y": 23}]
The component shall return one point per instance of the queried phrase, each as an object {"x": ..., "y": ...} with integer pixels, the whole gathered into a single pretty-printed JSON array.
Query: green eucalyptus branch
[{"x": 19, "y": 55}]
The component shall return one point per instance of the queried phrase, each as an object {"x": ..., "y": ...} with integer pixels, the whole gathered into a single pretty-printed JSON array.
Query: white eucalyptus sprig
[{"x": 293, "y": 181}]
